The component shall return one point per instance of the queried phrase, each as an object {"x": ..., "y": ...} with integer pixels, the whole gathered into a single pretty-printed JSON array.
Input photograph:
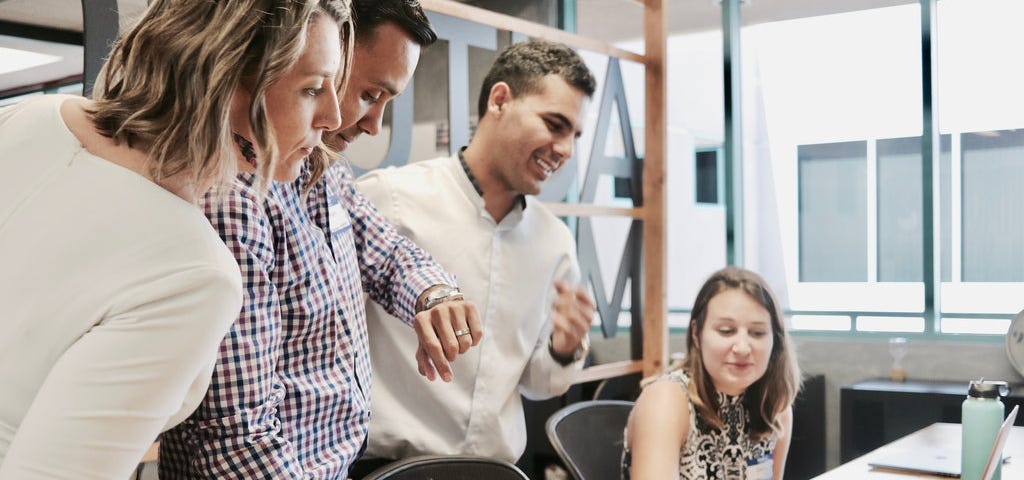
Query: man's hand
[
  {"x": 571, "y": 316},
  {"x": 445, "y": 331}
]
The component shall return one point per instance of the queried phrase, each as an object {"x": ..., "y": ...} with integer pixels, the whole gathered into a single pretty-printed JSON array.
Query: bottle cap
[{"x": 987, "y": 389}]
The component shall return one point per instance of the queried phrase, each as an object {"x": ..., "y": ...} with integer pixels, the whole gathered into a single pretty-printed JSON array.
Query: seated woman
[
  {"x": 726, "y": 413},
  {"x": 116, "y": 291}
]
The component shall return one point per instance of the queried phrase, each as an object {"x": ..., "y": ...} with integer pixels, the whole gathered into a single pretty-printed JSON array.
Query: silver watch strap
[{"x": 450, "y": 294}]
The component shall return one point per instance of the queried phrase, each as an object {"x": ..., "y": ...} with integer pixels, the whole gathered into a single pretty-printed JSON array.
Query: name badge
[
  {"x": 337, "y": 216},
  {"x": 761, "y": 468}
]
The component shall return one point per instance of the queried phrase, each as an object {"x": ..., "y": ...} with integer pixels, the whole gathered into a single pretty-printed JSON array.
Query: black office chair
[
  {"x": 444, "y": 467},
  {"x": 588, "y": 437}
]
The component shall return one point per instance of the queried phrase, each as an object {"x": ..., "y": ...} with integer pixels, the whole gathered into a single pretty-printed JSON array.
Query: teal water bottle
[{"x": 982, "y": 414}]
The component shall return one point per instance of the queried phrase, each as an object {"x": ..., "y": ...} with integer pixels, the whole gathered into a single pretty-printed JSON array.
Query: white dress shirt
[{"x": 508, "y": 270}]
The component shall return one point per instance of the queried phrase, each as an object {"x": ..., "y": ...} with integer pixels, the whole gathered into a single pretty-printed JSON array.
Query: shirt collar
[
  {"x": 476, "y": 184},
  {"x": 469, "y": 173}
]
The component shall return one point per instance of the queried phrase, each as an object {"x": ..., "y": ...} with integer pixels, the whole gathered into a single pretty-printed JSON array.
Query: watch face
[{"x": 439, "y": 293}]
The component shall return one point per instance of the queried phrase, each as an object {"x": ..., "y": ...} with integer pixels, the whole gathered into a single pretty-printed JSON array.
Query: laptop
[{"x": 945, "y": 462}]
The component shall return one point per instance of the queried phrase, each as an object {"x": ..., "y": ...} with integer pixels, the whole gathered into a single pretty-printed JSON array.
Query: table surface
[
  {"x": 943, "y": 435},
  {"x": 955, "y": 388}
]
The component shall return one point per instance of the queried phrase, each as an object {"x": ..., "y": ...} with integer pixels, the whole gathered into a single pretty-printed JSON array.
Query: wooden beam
[
  {"x": 586, "y": 210},
  {"x": 508, "y": 22},
  {"x": 655, "y": 310},
  {"x": 608, "y": 370}
]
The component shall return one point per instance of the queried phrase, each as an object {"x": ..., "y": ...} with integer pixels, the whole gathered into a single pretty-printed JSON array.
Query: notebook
[{"x": 943, "y": 461}]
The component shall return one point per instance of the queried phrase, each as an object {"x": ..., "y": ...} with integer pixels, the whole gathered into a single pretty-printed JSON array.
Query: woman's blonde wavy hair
[
  {"x": 776, "y": 390},
  {"x": 168, "y": 84}
]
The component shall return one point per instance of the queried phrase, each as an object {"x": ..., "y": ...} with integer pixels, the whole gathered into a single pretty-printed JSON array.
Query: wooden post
[{"x": 655, "y": 146}]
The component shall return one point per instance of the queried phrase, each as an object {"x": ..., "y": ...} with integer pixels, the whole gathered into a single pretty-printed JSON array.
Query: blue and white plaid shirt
[{"x": 290, "y": 392}]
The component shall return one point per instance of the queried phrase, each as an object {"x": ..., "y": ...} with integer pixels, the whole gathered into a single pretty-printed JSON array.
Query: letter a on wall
[{"x": 627, "y": 166}]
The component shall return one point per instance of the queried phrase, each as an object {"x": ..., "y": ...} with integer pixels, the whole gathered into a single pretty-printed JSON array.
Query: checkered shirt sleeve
[{"x": 393, "y": 269}]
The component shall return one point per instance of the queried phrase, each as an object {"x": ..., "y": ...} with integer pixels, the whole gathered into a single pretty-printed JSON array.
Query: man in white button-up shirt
[{"x": 475, "y": 213}]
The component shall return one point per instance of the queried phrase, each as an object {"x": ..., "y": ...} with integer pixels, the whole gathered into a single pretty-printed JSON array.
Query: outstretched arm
[
  {"x": 397, "y": 274},
  {"x": 444, "y": 331}
]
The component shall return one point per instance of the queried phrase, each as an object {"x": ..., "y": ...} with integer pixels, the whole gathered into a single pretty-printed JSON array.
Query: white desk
[{"x": 944, "y": 435}]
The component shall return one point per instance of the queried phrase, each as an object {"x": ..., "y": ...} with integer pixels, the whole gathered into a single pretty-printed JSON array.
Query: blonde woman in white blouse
[{"x": 115, "y": 289}]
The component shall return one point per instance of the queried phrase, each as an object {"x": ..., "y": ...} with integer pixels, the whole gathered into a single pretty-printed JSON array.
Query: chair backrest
[
  {"x": 588, "y": 437},
  {"x": 446, "y": 467},
  {"x": 625, "y": 387}
]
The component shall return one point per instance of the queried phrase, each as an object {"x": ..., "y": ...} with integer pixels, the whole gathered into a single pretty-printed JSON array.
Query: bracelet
[{"x": 440, "y": 294}]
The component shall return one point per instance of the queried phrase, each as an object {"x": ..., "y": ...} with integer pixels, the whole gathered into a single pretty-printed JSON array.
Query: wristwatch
[
  {"x": 438, "y": 294},
  {"x": 565, "y": 360}
]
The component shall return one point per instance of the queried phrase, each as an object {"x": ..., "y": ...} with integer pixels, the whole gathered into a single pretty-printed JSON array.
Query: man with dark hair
[
  {"x": 290, "y": 390},
  {"x": 389, "y": 35},
  {"x": 475, "y": 213}
]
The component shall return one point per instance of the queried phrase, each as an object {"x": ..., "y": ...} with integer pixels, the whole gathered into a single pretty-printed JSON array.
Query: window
[
  {"x": 900, "y": 222},
  {"x": 835, "y": 219},
  {"x": 981, "y": 104},
  {"x": 708, "y": 176},
  {"x": 993, "y": 206},
  {"x": 815, "y": 111},
  {"x": 834, "y": 206},
  {"x": 836, "y": 125},
  {"x": 833, "y": 212},
  {"x": 832, "y": 173}
]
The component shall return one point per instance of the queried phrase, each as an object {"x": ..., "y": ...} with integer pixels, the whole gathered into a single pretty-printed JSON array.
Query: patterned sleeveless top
[{"x": 709, "y": 454}]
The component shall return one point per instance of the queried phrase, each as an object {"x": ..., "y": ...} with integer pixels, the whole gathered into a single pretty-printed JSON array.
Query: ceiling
[
  {"x": 609, "y": 20},
  {"x": 623, "y": 19}
]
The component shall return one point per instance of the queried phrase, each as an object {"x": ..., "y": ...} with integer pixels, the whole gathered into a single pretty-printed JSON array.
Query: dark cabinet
[
  {"x": 807, "y": 450},
  {"x": 876, "y": 412}
]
